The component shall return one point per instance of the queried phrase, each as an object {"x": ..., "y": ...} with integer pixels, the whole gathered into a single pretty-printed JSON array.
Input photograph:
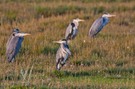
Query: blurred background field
[{"x": 106, "y": 62}]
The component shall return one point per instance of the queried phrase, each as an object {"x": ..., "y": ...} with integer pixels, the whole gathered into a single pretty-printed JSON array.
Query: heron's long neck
[
  {"x": 76, "y": 24},
  {"x": 63, "y": 46},
  {"x": 105, "y": 20}
]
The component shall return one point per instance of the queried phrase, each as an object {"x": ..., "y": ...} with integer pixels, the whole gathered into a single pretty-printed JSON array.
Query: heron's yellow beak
[
  {"x": 58, "y": 42},
  {"x": 23, "y": 34},
  {"x": 111, "y": 15},
  {"x": 81, "y": 20},
  {"x": 27, "y": 34}
]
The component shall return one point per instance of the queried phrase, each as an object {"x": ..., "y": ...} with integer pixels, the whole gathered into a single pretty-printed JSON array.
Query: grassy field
[{"x": 106, "y": 62}]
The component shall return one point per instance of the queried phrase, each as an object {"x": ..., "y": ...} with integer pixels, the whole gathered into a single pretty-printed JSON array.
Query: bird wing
[
  {"x": 62, "y": 53},
  {"x": 10, "y": 45},
  {"x": 58, "y": 54},
  {"x": 75, "y": 31},
  {"x": 9, "y": 41},
  {"x": 68, "y": 31},
  {"x": 13, "y": 47},
  {"x": 96, "y": 27},
  {"x": 68, "y": 51}
]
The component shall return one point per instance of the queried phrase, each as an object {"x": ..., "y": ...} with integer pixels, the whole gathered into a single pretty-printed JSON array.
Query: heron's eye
[{"x": 13, "y": 34}]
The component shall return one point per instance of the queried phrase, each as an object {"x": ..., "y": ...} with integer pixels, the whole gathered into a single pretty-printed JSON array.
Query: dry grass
[{"x": 105, "y": 62}]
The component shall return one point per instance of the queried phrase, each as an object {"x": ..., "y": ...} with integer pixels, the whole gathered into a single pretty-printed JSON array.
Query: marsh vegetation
[{"x": 106, "y": 62}]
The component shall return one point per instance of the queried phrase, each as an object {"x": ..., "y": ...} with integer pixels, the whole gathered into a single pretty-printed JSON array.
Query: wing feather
[
  {"x": 68, "y": 31},
  {"x": 96, "y": 27},
  {"x": 13, "y": 46}
]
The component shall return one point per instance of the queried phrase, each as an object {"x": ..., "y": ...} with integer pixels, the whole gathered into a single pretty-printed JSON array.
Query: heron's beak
[
  {"x": 80, "y": 20},
  {"x": 23, "y": 34},
  {"x": 111, "y": 15},
  {"x": 58, "y": 42}
]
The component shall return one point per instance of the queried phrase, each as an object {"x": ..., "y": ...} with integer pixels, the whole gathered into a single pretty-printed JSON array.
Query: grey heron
[
  {"x": 62, "y": 53},
  {"x": 99, "y": 24},
  {"x": 72, "y": 29},
  {"x": 14, "y": 44}
]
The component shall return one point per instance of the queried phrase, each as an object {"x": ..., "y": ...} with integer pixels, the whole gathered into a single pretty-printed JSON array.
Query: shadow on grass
[
  {"x": 122, "y": 71},
  {"x": 84, "y": 63},
  {"x": 60, "y": 74},
  {"x": 120, "y": 63},
  {"x": 117, "y": 73},
  {"x": 10, "y": 77}
]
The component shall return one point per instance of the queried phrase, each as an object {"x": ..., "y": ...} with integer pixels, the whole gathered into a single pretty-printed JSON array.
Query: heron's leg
[
  {"x": 58, "y": 65},
  {"x": 62, "y": 61},
  {"x": 13, "y": 60},
  {"x": 63, "y": 64}
]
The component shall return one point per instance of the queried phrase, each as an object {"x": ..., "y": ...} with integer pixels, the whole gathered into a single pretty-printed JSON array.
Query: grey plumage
[
  {"x": 14, "y": 44},
  {"x": 62, "y": 53},
  {"x": 72, "y": 29},
  {"x": 98, "y": 24}
]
